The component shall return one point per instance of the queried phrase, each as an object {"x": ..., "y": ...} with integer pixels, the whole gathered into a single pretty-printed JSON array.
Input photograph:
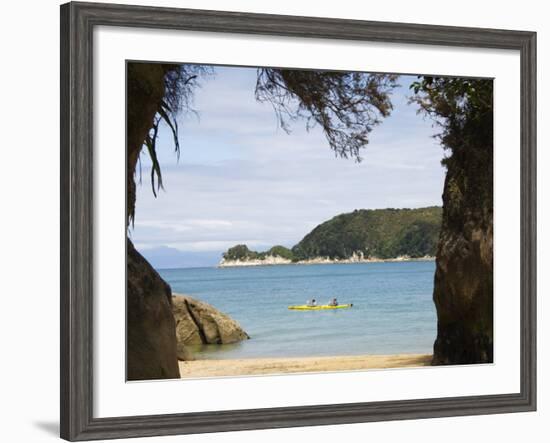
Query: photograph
[
  {"x": 297, "y": 221},
  {"x": 229, "y": 221}
]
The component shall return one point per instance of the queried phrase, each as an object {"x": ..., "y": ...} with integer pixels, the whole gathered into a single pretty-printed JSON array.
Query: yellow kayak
[{"x": 318, "y": 308}]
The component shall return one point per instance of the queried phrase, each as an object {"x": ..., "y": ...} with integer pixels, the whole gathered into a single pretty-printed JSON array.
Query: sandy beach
[{"x": 261, "y": 366}]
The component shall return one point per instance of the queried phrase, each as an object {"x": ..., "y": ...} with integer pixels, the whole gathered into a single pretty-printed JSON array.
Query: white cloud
[{"x": 242, "y": 180}]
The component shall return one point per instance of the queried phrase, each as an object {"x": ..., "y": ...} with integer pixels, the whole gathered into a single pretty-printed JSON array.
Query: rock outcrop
[
  {"x": 151, "y": 329},
  {"x": 356, "y": 257},
  {"x": 198, "y": 323},
  {"x": 463, "y": 294},
  {"x": 463, "y": 286},
  {"x": 268, "y": 260}
]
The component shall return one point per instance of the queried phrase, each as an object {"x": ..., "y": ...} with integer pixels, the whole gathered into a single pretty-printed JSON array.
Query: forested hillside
[{"x": 377, "y": 233}]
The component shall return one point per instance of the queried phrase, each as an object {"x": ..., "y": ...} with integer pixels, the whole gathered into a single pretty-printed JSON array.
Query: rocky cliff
[
  {"x": 463, "y": 286},
  {"x": 268, "y": 260},
  {"x": 151, "y": 338},
  {"x": 198, "y": 323},
  {"x": 356, "y": 257}
]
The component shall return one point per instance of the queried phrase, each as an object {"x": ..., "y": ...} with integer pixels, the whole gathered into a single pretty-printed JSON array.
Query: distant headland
[{"x": 361, "y": 236}]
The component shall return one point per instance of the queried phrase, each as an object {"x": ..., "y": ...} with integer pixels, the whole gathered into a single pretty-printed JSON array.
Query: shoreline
[
  {"x": 290, "y": 365},
  {"x": 278, "y": 261}
]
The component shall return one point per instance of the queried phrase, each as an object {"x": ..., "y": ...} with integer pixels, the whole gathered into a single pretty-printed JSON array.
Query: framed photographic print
[{"x": 272, "y": 221}]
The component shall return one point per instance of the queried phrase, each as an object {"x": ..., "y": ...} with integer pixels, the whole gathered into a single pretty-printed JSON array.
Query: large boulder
[
  {"x": 198, "y": 323},
  {"x": 151, "y": 337}
]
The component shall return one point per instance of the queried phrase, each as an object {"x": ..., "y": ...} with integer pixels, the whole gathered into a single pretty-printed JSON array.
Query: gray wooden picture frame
[{"x": 77, "y": 24}]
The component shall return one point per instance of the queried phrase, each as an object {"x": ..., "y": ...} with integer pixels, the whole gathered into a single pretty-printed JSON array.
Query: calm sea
[{"x": 392, "y": 312}]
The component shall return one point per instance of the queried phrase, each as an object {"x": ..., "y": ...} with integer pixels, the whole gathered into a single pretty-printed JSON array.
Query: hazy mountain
[{"x": 164, "y": 257}]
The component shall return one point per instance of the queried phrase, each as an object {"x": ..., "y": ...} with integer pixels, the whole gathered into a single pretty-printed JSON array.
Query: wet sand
[{"x": 264, "y": 366}]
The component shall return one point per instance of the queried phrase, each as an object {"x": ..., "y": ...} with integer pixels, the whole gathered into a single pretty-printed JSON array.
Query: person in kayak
[
  {"x": 312, "y": 303},
  {"x": 333, "y": 302}
]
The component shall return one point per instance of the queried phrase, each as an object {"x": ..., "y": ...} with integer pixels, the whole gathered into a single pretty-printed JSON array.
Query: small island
[{"x": 361, "y": 236}]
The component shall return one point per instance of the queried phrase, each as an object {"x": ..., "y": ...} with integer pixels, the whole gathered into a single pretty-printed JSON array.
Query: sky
[{"x": 240, "y": 178}]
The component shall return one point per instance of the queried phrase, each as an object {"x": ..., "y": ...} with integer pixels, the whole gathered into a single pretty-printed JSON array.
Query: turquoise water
[{"x": 392, "y": 312}]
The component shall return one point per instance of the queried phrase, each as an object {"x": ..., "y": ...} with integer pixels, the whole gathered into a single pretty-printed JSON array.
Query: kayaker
[
  {"x": 312, "y": 303},
  {"x": 333, "y": 302}
]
